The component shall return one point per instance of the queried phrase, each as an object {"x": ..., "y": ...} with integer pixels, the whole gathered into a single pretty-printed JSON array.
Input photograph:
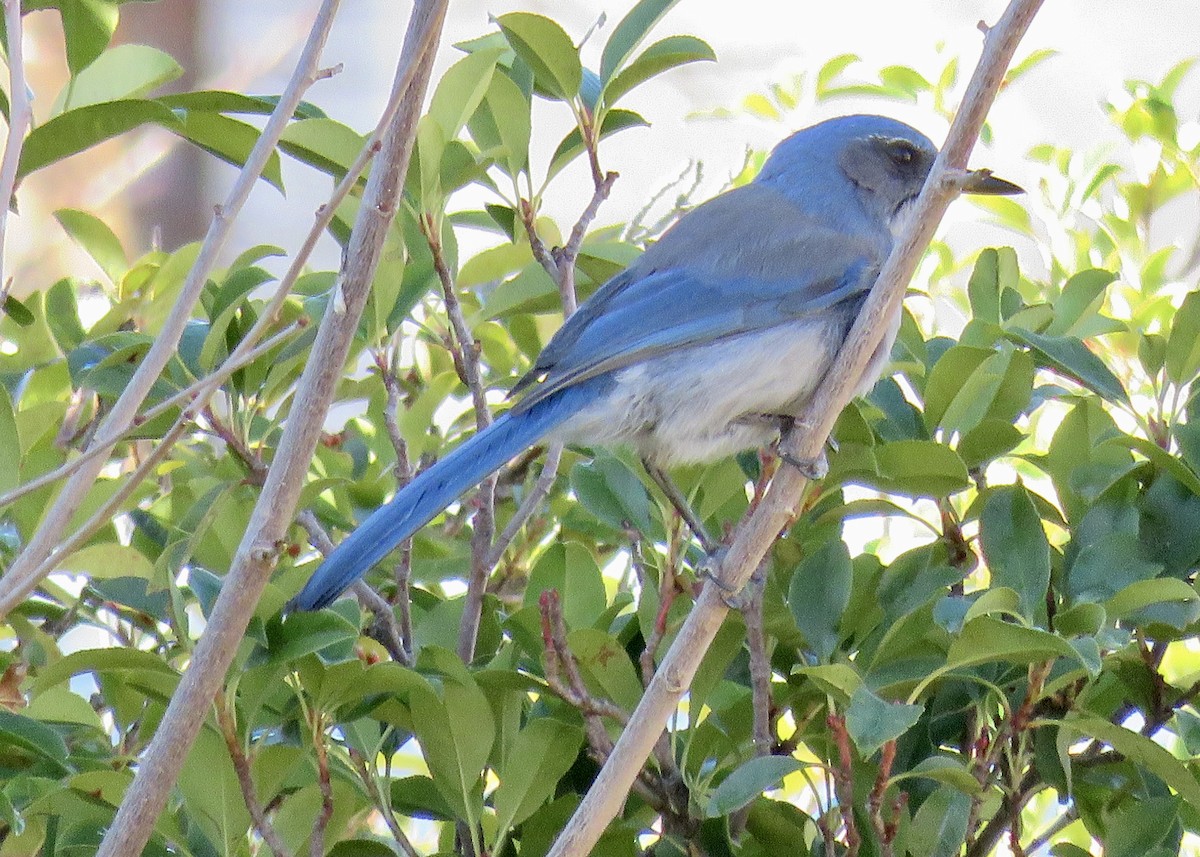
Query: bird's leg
[
  {"x": 735, "y": 599},
  {"x": 812, "y": 468},
  {"x": 676, "y": 498}
]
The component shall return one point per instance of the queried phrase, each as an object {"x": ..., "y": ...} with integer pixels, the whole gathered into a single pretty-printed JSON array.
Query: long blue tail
[{"x": 435, "y": 489}]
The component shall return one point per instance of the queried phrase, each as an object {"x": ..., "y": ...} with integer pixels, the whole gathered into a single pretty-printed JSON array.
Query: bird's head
[{"x": 880, "y": 161}]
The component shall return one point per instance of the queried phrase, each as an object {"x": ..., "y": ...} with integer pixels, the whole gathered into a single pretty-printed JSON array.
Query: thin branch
[
  {"x": 316, "y": 845},
  {"x": 20, "y": 115},
  {"x": 537, "y": 493},
  {"x": 159, "y": 766},
  {"x": 755, "y": 535},
  {"x": 382, "y": 804},
  {"x": 241, "y": 766},
  {"x": 385, "y": 628}
]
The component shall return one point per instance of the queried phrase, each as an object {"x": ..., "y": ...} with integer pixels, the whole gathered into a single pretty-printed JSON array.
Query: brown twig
[
  {"x": 843, "y": 781},
  {"x": 383, "y": 805},
  {"x": 159, "y": 766},
  {"x": 759, "y": 530},
  {"x": 316, "y": 845},
  {"x": 241, "y": 766},
  {"x": 885, "y": 829}
]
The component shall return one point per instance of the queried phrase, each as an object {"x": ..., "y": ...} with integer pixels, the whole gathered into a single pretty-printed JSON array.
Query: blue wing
[{"x": 690, "y": 288}]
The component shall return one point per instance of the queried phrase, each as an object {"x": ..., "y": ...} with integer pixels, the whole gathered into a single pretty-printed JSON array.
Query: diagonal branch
[
  {"x": 159, "y": 767},
  {"x": 759, "y": 530}
]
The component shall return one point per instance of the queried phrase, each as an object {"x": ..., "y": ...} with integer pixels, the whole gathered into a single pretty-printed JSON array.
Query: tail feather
[{"x": 430, "y": 492}]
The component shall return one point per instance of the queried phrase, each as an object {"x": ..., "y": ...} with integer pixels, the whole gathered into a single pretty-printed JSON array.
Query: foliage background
[{"x": 1115, "y": 543}]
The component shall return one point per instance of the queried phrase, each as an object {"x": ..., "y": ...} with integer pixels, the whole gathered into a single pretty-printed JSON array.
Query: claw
[
  {"x": 812, "y": 468},
  {"x": 735, "y": 599}
]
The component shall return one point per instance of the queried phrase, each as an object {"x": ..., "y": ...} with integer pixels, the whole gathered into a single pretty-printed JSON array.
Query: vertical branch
[
  {"x": 316, "y": 845},
  {"x": 759, "y": 529},
  {"x": 20, "y": 114},
  {"x": 257, "y": 554},
  {"x": 241, "y": 766}
]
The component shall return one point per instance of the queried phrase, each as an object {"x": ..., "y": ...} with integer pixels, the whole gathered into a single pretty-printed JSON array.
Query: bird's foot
[
  {"x": 735, "y": 598},
  {"x": 812, "y": 469}
]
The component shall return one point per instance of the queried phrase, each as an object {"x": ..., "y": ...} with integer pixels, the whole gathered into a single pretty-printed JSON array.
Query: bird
[{"x": 712, "y": 341}]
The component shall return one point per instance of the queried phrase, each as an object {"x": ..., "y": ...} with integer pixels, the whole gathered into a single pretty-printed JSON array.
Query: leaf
[
  {"x": 669, "y": 53},
  {"x": 546, "y": 49},
  {"x": 873, "y": 721},
  {"x": 88, "y": 26},
  {"x": 76, "y": 130},
  {"x": 325, "y": 144},
  {"x": 818, "y": 596},
  {"x": 921, "y": 468},
  {"x": 1141, "y": 594},
  {"x": 1183, "y": 345},
  {"x": 456, "y": 735},
  {"x": 983, "y": 288},
  {"x": 1080, "y": 296},
  {"x": 106, "y": 560},
  {"x": 1070, "y": 357},
  {"x": 501, "y": 125},
  {"x": 1139, "y": 749},
  {"x": 125, "y": 71},
  {"x": 749, "y": 780},
  {"x": 461, "y": 89},
  {"x": 1136, "y": 829},
  {"x": 628, "y": 34},
  {"x": 1015, "y": 546},
  {"x": 541, "y": 754},
  {"x": 10, "y": 441},
  {"x": 940, "y": 826},
  {"x": 228, "y": 139},
  {"x": 17, "y": 311},
  {"x": 94, "y": 235},
  {"x": 944, "y": 770},
  {"x": 990, "y": 640}
]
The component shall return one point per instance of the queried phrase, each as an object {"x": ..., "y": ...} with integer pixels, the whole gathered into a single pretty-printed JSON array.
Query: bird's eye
[{"x": 902, "y": 152}]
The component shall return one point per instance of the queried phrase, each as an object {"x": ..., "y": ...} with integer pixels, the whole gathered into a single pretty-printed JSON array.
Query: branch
[
  {"x": 256, "y": 556},
  {"x": 20, "y": 114},
  {"x": 754, "y": 536},
  {"x": 19, "y": 581},
  {"x": 241, "y": 765}
]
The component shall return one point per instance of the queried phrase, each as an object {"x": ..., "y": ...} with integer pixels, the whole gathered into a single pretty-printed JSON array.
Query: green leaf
[
  {"x": 1183, "y": 345},
  {"x": 94, "y": 235},
  {"x": 228, "y": 139},
  {"x": 1081, "y": 296},
  {"x": 989, "y": 640},
  {"x": 1136, "y": 829},
  {"x": 546, "y": 49},
  {"x": 10, "y": 440},
  {"x": 667, "y": 54},
  {"x": 749, "y": 780},
  {"x": 88, "y": 26},
  {"x": 1070, "y": 357},
  {"x": 983, "y": 288},
  {"x": 501, "y": 124},
  {"x": 17, "y": 311},
  {"x": 571, "y": 570},
  {"x": 921, "y": 468},
  {"x": 106, "y": 560},
  {"x": 541, "y": 754},
  {"x": 1015, "y": 546},
  {"x": 818, "y": 596},
  {"x": 944, "y": 770},
  {"x": 456, "y": 734},
  {"x": 76, "y": 130},
  {"x": 325, "y": 144},
  {"x": 1141, "y": 594},
  {"x": 461, "y": 89},
  {"x": 1139, "y": 749},
  {"x": 873, "y": 721},
  {"x": 606, "y": 666},
  {"x": 125, "y": 71},
  {"x": 303, "y": 634},
  {"x": 572, "y": 146},
  {"x": 628, "y": 34},
  {"x": 940, "y": 826}
]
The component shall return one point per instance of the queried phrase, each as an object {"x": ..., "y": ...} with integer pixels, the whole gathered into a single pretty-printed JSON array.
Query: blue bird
[{"x": 712, "y": 341}]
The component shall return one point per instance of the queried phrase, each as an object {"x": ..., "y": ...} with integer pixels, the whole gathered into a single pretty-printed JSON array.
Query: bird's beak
[{"x": 983, "y": 182}]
